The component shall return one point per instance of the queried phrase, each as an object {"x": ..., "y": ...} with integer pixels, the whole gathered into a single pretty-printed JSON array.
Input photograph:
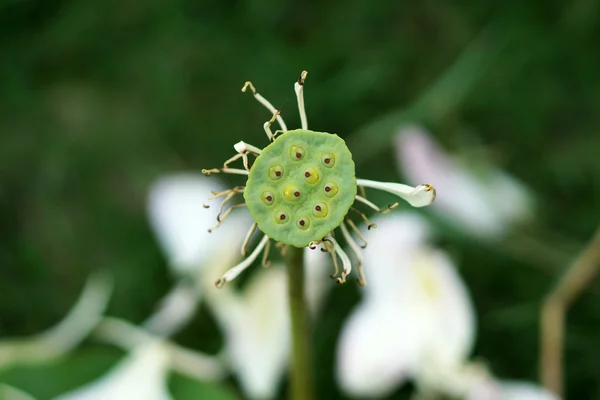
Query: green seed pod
[{"x": 301, "y": 186}]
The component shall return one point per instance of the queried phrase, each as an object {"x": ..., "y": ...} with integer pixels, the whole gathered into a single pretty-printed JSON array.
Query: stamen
[
  {"x": 236, "y": 189},
  {"x": 328, "y": 247},
  {"x": 247, "y": 238},
  {"x": 299, "y": 88},
  {"x": 420, "y": 196},
  {"x": 364, "y": 217},
  {"x": 232, "y": 273},
  {"x": 265, "y": 103},
  {"x": 362, "y": 191},
  {"x": 282, "y": 248},
  {"x": 223, "y": 203},
  {"x": 362, "y": 281},
  {"x": 244, "y": 158},
  {"x": 229, "y": 210},
  {"x": 313, "y": 245},
  {"x": 374, "y": 207},
  {"x": 343, "y": 256},
  {"x": 243, "y": 148},
  {"x": 265, "y": 260},
  {"x": 360, "y": 236},
  {"x": 233, "y": 171}
]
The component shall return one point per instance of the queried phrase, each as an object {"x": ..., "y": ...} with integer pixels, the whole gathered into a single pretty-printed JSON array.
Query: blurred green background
[{"x": 98, "y": 99}]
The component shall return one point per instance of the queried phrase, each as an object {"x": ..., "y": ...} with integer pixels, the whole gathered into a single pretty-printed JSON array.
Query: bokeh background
[{"x": 98, "y": 99}]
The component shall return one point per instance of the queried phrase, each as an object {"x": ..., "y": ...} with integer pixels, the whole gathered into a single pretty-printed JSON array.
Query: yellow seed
[
  {"x": 276, "y": 172},
  {"x": 330, "y": 189},
  {"x": 267, "y": 198},
  {"x": 281, "y": 218},
  {"x": 296, "y": 153},
  {"x": 328, "y": 159},
  {"x": 320, "y": 210},
  {"x": 311, "y": 175},
  {"x": 292, "y": 193},
  {"x": 303, "y": 223}
]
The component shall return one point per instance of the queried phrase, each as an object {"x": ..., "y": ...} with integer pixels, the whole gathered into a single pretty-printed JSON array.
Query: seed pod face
[{"x": 305, "y": 178}]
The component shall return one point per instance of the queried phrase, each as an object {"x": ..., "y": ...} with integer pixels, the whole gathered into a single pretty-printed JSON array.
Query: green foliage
[{"x": 97, "y": 99}]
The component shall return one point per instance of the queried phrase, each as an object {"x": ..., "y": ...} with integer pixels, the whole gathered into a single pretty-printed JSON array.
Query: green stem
[{"x": 301, "y": 380}]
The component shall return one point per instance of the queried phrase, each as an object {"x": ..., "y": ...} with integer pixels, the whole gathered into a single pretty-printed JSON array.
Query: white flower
[
  {"x": 481, "y": 202},
  {"x": 66, "y": 335},
  {"x": 256, "y": 325},
  {"x": 179, "y": 220},
  {"x": 181, "y": 223},
  {"x": 416, "y": 322},
  {"x": 141, "y": 376},
  {"x": 415, "y": 309}
]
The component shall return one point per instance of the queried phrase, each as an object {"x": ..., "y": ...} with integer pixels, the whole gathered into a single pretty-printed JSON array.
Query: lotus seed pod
[{"x": 301, "y": 186}]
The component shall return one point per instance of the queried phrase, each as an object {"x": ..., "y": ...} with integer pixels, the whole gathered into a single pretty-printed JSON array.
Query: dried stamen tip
[
  {"x": 390, "y": 208},
  {"x": 250, "y": 85},
  {"x": 205, "y": 205},
  {"x": 206, "y": 172},
  {"x": 371, "y": 226},
  {"x": 220, "y": 282},
  {"x": 302, "y": 77}
]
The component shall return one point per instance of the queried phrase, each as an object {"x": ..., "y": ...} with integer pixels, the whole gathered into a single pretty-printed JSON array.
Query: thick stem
[{"x": 301, "y": 379}]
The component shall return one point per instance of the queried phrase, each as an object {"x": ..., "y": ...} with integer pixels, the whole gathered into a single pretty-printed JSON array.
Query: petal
[
  {"x": 484, "y": 205},
  {"x": 450, "y": 329},
  {"x": 257, "y": 331},
  {"x": 513, "y": 390},
  {"x": 420, "y": 196},
  {"x": 390, "y": 248},
  {"x": 141, "y": 376},
  {"x": 316, "y": 274},
  {"x": 180, "y": 221},
  {"x": 491, "y": 389},
  {"x": 422, "y": 285},
  {"x": 67, "y": 334},
  {"x": 375, "y": 351}
]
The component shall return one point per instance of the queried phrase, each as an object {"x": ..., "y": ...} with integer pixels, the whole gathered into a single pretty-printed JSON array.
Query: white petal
[
  {"x": 491, "y": 389},
  {"x": 67, "y": 334},
  {"x": 512, "y": 390},
  {"x": 424, "y": 291},
  {"x": 316, "y": 274},
  {"x": 257, "y": 332},
  {"x": 375, "y": 351},
  {"x": 174, "y": 311},
  {"x": 141, "y": 376},
  {"x": 420, "y": 196},
  {"x": 484, "y": 205},
  {"x": 390, "y": 248},
  {"x": 177, "y": 215}
]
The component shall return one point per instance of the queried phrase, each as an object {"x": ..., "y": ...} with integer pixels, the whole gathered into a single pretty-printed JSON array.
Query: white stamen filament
[
  {"x": 367, "y": 202},
  {"x": 362, "y": 281},
  {"x": 234, "y": 171},
  {"x": 267, "y": 126},
  {"x": 343, "y": 256},
  {"x": 233, "y": 272},
  {"x": 420, "y": 196},
  {"x": 247, "y": 239},
  {"x": 299, "y": 88},
  {"x": 265, "y": 103}
]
